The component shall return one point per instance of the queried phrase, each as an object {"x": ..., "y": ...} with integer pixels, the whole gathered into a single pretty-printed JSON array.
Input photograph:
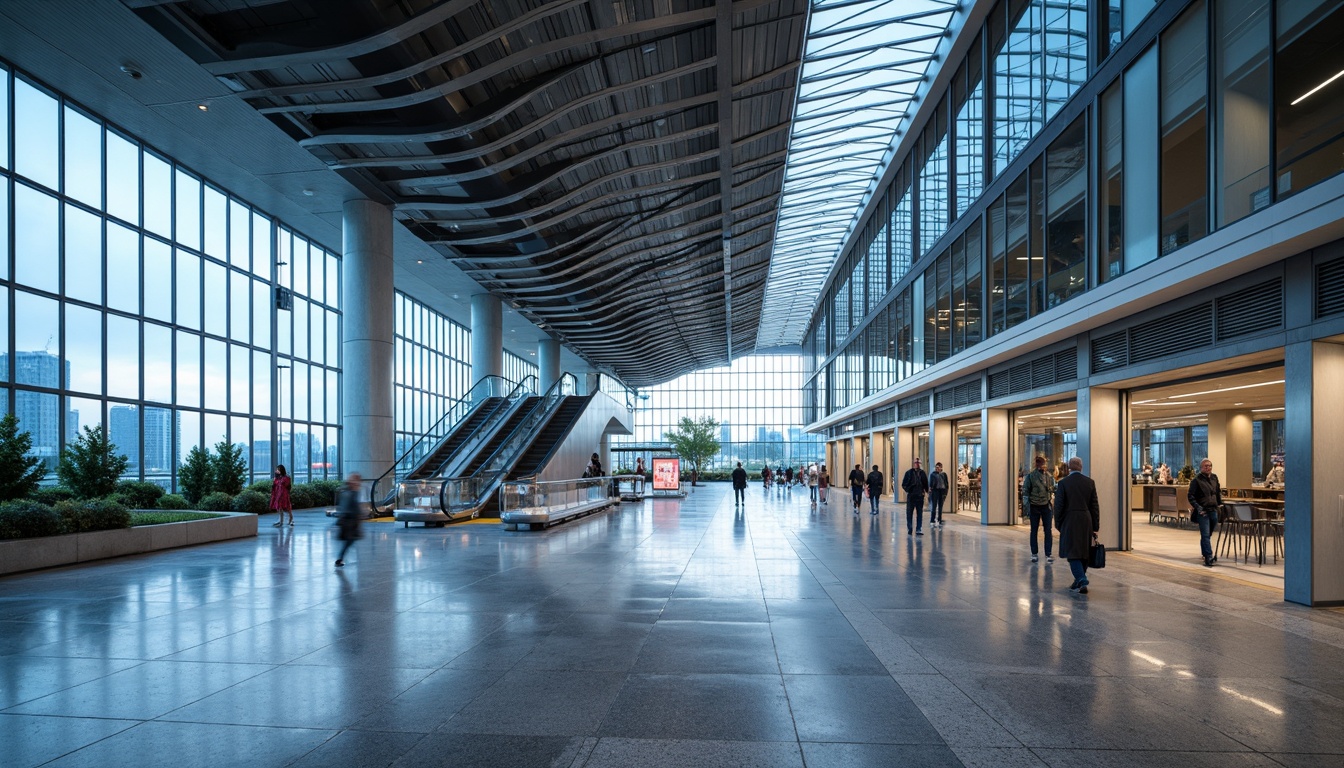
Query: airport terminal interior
[{"x": 482, "y": 264}]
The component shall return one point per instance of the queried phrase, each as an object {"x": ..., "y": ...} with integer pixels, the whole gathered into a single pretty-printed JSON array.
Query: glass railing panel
[{"x": 551, "y": 498}]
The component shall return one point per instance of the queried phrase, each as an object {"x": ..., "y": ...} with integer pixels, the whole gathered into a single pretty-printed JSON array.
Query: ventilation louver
[
  {"x": 1329, "y": 288},
  {"x": 1039, "y": 372},
  {"x": 1251, "y": 310}
]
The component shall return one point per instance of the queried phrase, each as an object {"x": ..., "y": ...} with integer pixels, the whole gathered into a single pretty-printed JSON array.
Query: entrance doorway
[
  {"x": 970, "y": 465},
  {"x": 1236, "y": 421},
  {"x": 1045, "y": 430}
]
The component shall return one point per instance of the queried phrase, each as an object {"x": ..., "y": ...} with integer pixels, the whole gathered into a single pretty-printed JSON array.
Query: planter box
[{"x": 46, "y": 552}]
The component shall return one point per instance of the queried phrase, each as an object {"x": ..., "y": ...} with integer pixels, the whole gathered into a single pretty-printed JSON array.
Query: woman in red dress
[{"x": 280, "y": 496}]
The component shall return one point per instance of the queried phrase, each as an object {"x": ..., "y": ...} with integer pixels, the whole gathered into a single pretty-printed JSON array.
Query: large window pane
[
  {"x": 188, "y": 433},
  {"x": 261, "y": 314},
  {"x": 37, "y": 236},
  {"x": 300, "y": 314},
  {"x": 36, "y": 131},
  {"x": 81, "y": 412},
  {"x": 317, "y": 394},
  {"x": 970, "y": 133},
  {"x": 157, "y": 455},
  {"x": 188, "y": 292},
  {"x": 216, "y": 373},
  {"x": 159, "y": 362},
  {"x": 39, "y": 415},
  {"x": 123, "y": 357},
  {"x": 123, "y": 269},
  {"x": 333, "y": 282},
  {"x": 240, "y": 313},
  {"x": 240, "y": 235},
  {"x": 1140, "y": 156},
  {"x": 4, "y": 132},
  {"x": 933, "y": 204},
  {"x": 1185, "y": 174},
  {"x": 83, "y": 159},
  {"x": 333, "y": 397},
  {"x": 300, "y": 391},
  {"x": 1111, "y": 205},
  {"x": 83, "y": 255},
  {"x": 1242, "y": 107},
  {"x": 216, "y": 429},
  {"x": 1017, "y": 225},
  {"x": 334, "y": 340},
  {"x": 1309, "y": 134},
  {"x": 4, "y": 221},
  {"x": 123, "y": 178},
  {"x": 123, "y": 431},
  {"x": 4, "y": 336},
  {"x": 158, "y": 180},
  {"x": 1065, "y": 51},
  {"x": 262, "y": 256},
  {"x": 975, "y": 260},
  {"x": 298, "y": 265},
  {"x": 37, "y": 341},
  {"x": 188, "y": 382},
  {"x": 84, "y": 349},
  {"x": 187, "y": 204},
  {"x": 216, "y": 299},
  {"x": 261, "y": 384},
  {"x": 240, "y": 379},
  {"x": 1066, "y": 214},
  {"x": 1018, "y": 114},
  {"x": 216, "y": 223},
  {"x": 158, "y": 284}
]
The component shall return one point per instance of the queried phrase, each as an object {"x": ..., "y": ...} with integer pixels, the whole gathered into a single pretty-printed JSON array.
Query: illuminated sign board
[{"x": 667, "y": 474}]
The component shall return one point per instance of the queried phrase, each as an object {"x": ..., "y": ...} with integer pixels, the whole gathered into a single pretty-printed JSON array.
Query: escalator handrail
[
  {"x": 550, "y": 452},
  {"x": 499, "y": 462},
  {"x": 460, "y": 408},
  {"x": 525, "y": 389}
]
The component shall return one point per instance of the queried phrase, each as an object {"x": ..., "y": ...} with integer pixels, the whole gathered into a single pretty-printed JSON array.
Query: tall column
[
  {"x": 487, "y": 337},
  {"x": 548, "y": 362},
  {"x": 1103, "y": 445},
  {"x": 1230, "y": 435},
  {"x": 1314, "y": 495},
  {"x": 881, "y": 456},
  {"x": 367, "y": 301},
  {"x": 943, "y": 447},
  {"x": 998, "y": 478},
  {"x": 905, "y": 446}
]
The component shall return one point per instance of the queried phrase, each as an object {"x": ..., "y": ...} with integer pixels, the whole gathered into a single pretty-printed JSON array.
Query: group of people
[
  {"x": 349, "y": 515},
  {"x": 814, "y": 476},
  {"x": 1070, "y": 502}
]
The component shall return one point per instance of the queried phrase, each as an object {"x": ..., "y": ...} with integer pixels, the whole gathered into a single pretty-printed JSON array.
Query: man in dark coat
[
  {"x": 1206, "y": 498},
  {"x": 740, "y": 484},
  {"x": 916, "y": 486},
  {"x": 1078, "y": 518},
  {"x": 856, "y": 480},
  {"x": 875, "y": 482}
]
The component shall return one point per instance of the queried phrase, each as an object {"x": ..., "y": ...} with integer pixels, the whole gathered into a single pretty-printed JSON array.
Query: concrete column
[
  {"x": 905, "y": 449},
  {"x": 367, "y": 344},
  {"x": 487, "y": 337},
  {"x": 881, "y": 456},
  {"x": 548, "y": 362},
  {"x": 1314, "y": 496},
  {"x": 1103, "y": 445},
  {"x": 832, "y": 452},
  {"x": 1229, "y": 448},
  {"x": 998, "y": 479}
]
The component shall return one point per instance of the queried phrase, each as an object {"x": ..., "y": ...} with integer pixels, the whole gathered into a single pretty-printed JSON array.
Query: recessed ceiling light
[
  {"x": 419, "y": 261},
  {"x": 203, "y": 107}
]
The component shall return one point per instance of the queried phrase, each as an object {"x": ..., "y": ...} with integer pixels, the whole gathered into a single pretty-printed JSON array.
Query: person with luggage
[{"x": 1078, "y": 518}]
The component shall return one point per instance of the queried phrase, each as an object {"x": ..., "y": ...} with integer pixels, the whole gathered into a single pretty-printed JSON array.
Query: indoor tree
[
  {"x": 20, "y": 473},
  {"x": 90, "y": 464},
  {"x": 694, "y": 441}
]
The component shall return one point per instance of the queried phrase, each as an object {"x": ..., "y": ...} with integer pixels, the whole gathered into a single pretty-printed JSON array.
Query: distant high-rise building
[
  {"x": 39, "y": 413},
  {"x": 123, "y": 430},
  {"x": 160, "y": 447}
]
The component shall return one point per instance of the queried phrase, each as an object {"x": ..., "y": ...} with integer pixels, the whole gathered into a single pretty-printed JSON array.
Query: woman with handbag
[{"x": 1206, "y": 498}]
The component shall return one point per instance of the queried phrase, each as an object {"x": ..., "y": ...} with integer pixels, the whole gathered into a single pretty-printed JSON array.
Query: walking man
[
  {"x": 348, "y": 520},
  {"x": 1078, "y": 518},
  {"x": 812, "y": 483},
  {"x": 875, "y": 483},
  {"x": 1206, "y": 498},
  {"x": 916, "y": 485},
  {"x": 740, "y": 484},
  {"x": 1037, "y": 490},
  {"x": 856, "y": 480},
  {"x": 937, "y": 494}
]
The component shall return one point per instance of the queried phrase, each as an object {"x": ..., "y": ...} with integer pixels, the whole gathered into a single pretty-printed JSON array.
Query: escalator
[
  {"x": 543, "y": 445},
  {"x": 432, "y": 463}
]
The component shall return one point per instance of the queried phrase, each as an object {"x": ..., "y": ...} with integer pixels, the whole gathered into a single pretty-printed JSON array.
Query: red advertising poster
[{"x": 667, "y": 474}]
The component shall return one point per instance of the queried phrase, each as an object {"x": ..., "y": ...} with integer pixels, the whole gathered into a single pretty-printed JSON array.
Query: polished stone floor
[{"x": 669, "y": 633}]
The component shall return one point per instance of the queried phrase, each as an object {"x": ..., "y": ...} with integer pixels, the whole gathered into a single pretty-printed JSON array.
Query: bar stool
[
  {"x": 1229, "y": 534},
  {"x": 1252, "y": 527}
]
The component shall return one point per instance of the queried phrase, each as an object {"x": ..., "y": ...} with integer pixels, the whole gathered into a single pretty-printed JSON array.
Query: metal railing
[
  {"x": 460, "y": 494},
  {"x": 382, "y": 492},
  {"x": 542, "y": 501}
]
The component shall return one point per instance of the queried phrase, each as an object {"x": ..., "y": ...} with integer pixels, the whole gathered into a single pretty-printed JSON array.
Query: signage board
[{"x": 666, "y": 474}]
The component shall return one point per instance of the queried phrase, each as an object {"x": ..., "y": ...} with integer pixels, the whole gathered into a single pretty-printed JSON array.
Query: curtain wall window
[
  {"x": 1018, "y": 63},
  {"x": 969, "y": 129},
  {"x": 1139, "y": 146},
  {"x": 1242, "y": 104},
  {"x": 1066, "y": 214},
  {"x": 1308, "y": 92},
  {"x": 1184, "y": 160}
]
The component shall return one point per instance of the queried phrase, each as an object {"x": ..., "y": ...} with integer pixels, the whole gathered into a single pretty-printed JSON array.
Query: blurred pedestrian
[{"x": 349, "y": 517}]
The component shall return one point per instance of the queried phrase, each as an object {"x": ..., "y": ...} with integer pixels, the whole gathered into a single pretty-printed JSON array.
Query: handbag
[{"x": 1097, "y": 556}]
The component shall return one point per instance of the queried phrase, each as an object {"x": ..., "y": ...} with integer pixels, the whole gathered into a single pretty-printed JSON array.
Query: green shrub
[
  {"x": 27, "y": 519},
  {"x": 263, "y": 487},
  {"x": 159, "y": 518},
  {"x": 302, "y": 496},
  {"x": 20, "y": 473},
  {"x": 139, "y": 495},
  {"x": 173, "y": 501},
  {"x": 93, "y": 515},
  {"x": 251, "y": 501},
  {"x": 90, "y": 464},
  {"x": 196, "y": 476},
  {"x": 329, "y": 490},
  {"x": 216, "y": 502},
  {"x": 51, "y": 495}
]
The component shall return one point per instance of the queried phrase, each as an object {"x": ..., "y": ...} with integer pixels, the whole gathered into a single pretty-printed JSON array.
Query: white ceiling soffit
[{"x": 863, "y": 69}]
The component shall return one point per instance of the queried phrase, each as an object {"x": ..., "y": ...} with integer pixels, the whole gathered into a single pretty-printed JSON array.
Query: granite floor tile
[
  {"x": 468, "y": 749},
  {"x": 672, "y": 753},
  {"x": 698, "y": 706},
  {"x": 856, "y": 709},
  {"x": 530, "y": 702},
  {"x": 878, "y": 756},
  {"x": 143, "y": 692},
  {"x": 31, "y": 740},
  {"x": 197, "y": 745}
]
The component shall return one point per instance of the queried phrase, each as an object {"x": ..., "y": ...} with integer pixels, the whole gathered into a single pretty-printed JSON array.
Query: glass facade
[
  {"x": 516, "y": 368},
  {"x": 1228, "y": 96},
  {"x": 433, "y": 368},
  {"x": 141, "y": 298},
  {"x": 756, "y": 401}
]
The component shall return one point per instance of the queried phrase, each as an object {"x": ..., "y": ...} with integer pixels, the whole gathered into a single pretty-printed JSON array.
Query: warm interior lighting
[{"x": 1335, "y": 77}]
